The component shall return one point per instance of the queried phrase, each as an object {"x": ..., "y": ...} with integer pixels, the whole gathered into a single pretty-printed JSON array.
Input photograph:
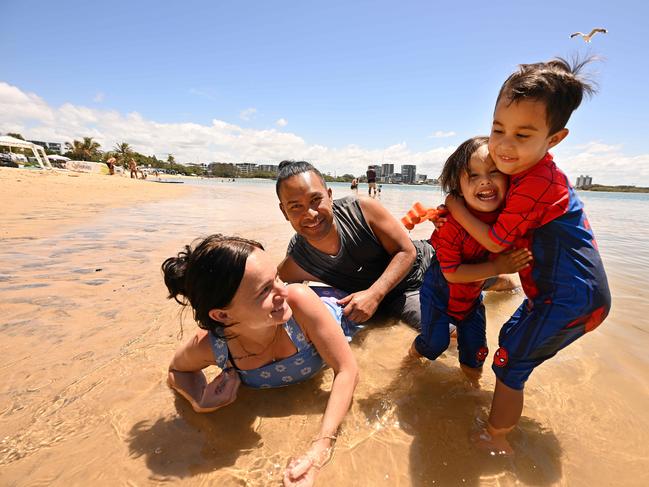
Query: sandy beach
[
  {"x": 87, "y": 335},
  {"x": 65, "y": 198}
]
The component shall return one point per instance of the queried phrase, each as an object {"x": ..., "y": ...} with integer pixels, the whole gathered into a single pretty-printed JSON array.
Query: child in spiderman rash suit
[
  {"x": 566, "y": 286},
  {"x": 452, "y": 287}
]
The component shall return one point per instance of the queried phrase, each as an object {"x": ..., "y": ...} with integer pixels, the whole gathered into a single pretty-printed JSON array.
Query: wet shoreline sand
[{"x": 87, "y": 335}]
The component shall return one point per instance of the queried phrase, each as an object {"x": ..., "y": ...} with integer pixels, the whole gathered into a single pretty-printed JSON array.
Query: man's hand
[
  {"x": 360, "y": 306},
  {"x": 512, "y": 261}
]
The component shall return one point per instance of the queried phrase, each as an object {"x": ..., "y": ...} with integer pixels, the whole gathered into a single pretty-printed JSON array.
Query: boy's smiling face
[{"x": 520, "y": 135}]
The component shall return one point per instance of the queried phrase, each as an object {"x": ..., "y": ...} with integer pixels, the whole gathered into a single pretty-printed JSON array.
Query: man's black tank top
[{"x": 361, "y": 259}]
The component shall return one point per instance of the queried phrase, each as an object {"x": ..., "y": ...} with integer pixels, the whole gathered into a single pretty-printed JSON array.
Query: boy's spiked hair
[
  {"x": 557, "y": 83},
  {"x": 458, "y": 163}
]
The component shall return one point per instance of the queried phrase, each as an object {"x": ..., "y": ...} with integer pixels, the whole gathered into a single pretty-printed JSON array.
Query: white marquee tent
[{"x": 39, "y": 152}]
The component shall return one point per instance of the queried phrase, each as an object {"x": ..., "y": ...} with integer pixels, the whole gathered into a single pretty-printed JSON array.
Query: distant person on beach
[
  {"x": 132, "y": 166},
  {"x": 566, "y": 287},
  {"x": 354, "y": 185},
  {"x": 258, "y": 331},
  {"x": 453, "y": 284},
  {"x": 111, "y": 165},
  {"x": 353, "y": 244},
  {"x": 371, "y": 180},
  {"x": 379, "y": 189}
]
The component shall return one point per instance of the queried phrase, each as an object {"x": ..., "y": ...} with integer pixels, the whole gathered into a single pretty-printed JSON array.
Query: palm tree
[
  {"x": 85, "y": 150},
  {"x": 123, "y": 152}
]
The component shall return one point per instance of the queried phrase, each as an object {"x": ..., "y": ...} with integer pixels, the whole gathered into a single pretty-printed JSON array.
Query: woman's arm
[
  {"x": 328, "y": 338},
  {"x": 186, "y": 376},
  {"x": 507, "y": 262}
]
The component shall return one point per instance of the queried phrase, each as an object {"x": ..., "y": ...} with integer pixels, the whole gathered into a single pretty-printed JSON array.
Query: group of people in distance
[{"x": 510, "y": 210}]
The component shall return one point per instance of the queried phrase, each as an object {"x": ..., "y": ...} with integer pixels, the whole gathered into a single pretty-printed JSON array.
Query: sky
[{"x": 342, "y": 84}]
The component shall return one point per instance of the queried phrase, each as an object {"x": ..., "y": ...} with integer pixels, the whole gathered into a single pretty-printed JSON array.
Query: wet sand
[{"x": 87, "y": 335}]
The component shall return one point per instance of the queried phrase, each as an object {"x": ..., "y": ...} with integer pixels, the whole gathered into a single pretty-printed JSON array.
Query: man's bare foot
[{"x": 493, "y": 441}]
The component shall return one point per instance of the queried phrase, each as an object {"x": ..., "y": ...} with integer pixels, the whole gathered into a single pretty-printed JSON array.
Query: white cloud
[
  {"x": 99, "y": 97},
  {"x": 30, "y": 115},
  {"x": 248, "y": 114},
  {"x": 282, "y": 122},
  {"x": 440, "y": 134}
]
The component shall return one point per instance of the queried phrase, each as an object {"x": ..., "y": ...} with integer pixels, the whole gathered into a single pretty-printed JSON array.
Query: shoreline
[{"x": 38, "y": 202}]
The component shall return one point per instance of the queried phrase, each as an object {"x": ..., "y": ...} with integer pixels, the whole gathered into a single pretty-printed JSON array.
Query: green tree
[
  {"x": 171, "y": 159},
  {"x": 15, "y": 135},
  {"x": 83, "y": 150},
  {"x": 123, "y": 153}
]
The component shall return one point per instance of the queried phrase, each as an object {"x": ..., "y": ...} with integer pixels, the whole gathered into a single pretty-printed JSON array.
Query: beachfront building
[
  {"x": 50, "y": 146},
  {"x": 408, "y": 173},
  {"x": 421, "y": 178},
  {"x": 271, "y": 168},
  {"x": 387, "y": 170},
  {"x": 246, "y": 167},
  {"x": 584, "y": 182}
]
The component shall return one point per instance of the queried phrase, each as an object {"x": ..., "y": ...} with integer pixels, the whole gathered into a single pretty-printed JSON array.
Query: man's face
[
  {"x": 307, "y": 204},
  {"x": 520, "y": 135}
]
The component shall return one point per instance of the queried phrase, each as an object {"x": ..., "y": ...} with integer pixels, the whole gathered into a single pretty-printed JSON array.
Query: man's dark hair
[
  {"x": 557, "y": 83},
  {"x": 289, "y": 169},
  {"x": 458, "y": 163}
]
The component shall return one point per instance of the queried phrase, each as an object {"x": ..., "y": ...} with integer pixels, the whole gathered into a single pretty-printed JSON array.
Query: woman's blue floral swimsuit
[{"x": 298, "y": 367}]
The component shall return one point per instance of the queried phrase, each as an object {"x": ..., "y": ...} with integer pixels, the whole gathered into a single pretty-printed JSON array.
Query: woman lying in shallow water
[{"x": 259, "y": 331}]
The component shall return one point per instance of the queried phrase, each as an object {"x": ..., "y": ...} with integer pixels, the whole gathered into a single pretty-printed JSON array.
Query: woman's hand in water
[
  {"x": 221, "y": 391},
  {"x": 205, "y": 397},
  {"x": 512, "y": 261},
  {"x": 302, "y": 471}
]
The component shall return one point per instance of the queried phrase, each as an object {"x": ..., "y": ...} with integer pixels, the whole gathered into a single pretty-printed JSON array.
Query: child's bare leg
[{"x": 506, "y": 410}]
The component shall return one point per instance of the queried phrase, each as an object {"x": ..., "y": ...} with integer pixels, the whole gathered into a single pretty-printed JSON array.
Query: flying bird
[{"x": 588, "y": 37}]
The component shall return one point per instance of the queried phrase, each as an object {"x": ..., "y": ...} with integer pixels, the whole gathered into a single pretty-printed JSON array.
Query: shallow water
[{"x": 87, "y": 335}]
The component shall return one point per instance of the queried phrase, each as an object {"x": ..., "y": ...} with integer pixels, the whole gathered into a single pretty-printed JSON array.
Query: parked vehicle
[{"x": 6, "y": 160}]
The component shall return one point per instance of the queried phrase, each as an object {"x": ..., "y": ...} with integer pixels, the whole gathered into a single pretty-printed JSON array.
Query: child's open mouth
[{"x": 488, "y": 195}]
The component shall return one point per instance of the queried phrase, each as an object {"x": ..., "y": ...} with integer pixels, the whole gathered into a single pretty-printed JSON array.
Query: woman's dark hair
[
  {"x": 557, "y": 83},
  {"x": 458, "y": 163},
  {"x": 207, "y": 274},
  {"x": 289, "y": 169}
]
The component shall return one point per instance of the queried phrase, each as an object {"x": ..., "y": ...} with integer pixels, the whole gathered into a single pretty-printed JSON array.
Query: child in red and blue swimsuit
[
  {"x": 452, "y": 289},
  {"x": 566, "y": 286}
]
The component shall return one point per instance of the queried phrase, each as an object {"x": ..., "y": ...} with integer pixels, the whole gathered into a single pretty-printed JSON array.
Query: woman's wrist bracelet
[{"x": 324, "y": 437}]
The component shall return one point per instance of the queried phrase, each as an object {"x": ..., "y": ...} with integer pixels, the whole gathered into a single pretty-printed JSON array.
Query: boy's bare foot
[
  {"x": 472, "y": 374},
  {"x": 493, "y": 441}
]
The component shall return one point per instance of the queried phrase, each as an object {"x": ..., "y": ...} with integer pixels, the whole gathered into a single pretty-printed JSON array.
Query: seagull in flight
[{"x": 588, "y": 37}]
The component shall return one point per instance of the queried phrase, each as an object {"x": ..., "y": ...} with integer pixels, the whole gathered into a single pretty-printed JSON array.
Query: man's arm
[
  {"x": 477, "y": 229},
  {"x": 360, "y": 306},
  {"x": 289, "y": 271}
]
